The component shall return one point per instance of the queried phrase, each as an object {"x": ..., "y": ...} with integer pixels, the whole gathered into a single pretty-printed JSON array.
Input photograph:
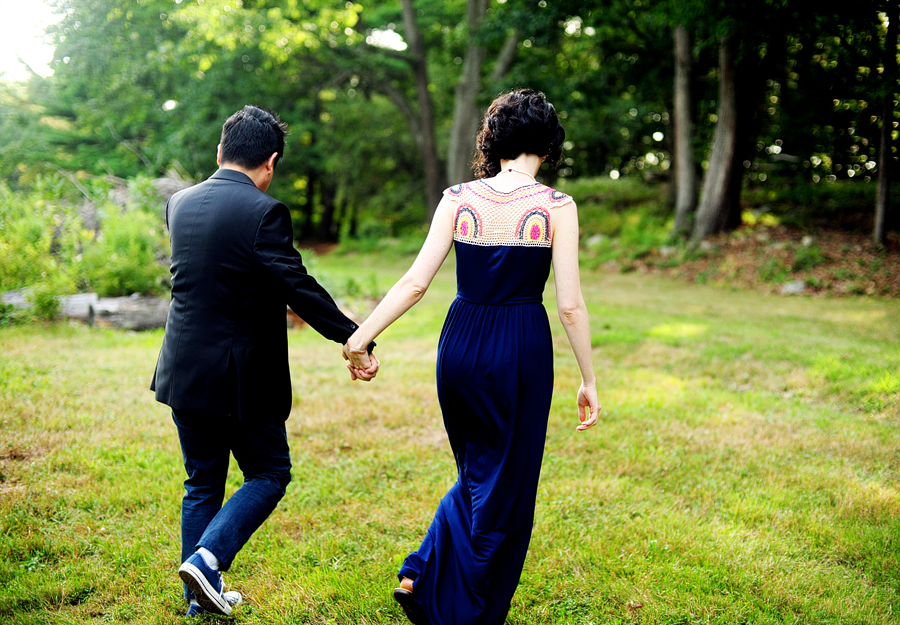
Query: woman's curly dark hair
[{"x": 521, "y": 121}]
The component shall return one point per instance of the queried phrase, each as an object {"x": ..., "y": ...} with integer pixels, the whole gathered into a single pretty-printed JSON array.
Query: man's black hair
[{"x": 251, "y": 136}]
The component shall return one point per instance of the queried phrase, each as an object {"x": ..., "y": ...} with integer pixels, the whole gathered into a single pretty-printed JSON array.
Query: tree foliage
[{"x": 142, "y": 87}]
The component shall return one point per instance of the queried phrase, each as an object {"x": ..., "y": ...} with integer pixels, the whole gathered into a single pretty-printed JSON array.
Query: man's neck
[{"x": 258, "y": 175}]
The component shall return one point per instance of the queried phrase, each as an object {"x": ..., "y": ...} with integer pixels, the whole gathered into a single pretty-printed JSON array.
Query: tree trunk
[
  {"x": 130, "y": 313},
  {"x": 685, "y": 168},
  {"x": 465, "y": 112},
  {"x": 327, "y": 228},
  {"x": 883, "y": 193},
  {"x": 306, "y": 228},
  {"x": 78, "y": 306},
  {"x": 506, "y": 57},
  {"x": 354, "y": 221},
  {"x": 430, "y": 162},
  {"x": 715, "y": 206},
  {"x": 885, "y": 154}
]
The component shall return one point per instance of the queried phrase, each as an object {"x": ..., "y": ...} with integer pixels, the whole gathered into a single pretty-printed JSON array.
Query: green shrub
[
  {"x": 129, "y": 255},
  {"x": 143, "y": 195},
  {"x": 349, "y": 289},
  {"x": 604, "y": 204},
  {"x": 45, "y": 295},
  {"x": 773, "y": 270},
  {"x": 44, "y": 246},
  {"x": 39, "y": 238},
  {"x": 10, "y": 315},
  {"x": 599, "y": 221},
  {"x": 408, "y": 244},
  {"x": 807, "y": 257},
  {"x": 846, "y": 203},
  {"x": 646, "y": 228},
  {"x": 24, "y": 252},
  {"x": 614, "y": 194}
]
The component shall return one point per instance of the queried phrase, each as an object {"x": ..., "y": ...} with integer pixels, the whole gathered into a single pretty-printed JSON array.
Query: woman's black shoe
[{"x": 414, "y": 611}]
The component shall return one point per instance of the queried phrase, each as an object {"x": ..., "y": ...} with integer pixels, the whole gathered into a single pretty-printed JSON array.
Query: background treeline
[{"x": 794, "y": 103}]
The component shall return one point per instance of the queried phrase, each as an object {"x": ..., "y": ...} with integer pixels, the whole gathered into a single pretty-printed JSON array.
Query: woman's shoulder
[
  {"x": 544, "y": 196},
  {"x": 456, "y": 191},
  {"x": 555, "y": 198}
]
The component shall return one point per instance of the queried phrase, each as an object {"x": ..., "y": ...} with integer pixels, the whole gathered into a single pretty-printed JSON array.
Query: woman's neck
[{"x": 527, "y": 164}]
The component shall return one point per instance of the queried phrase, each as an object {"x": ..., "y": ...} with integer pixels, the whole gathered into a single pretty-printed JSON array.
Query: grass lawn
[{"x": 745, "y": 469}]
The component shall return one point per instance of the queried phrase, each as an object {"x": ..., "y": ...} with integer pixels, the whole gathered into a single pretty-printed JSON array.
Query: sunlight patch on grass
[
  {"x": 676, "y": 331},
  {"x": 876, "y": 386},
  {"x": 852, "y": 317},
  {"x": 653, "y": 388}
]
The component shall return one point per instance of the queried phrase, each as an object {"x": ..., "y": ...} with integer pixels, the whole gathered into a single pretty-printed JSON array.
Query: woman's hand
[
  {"x": 363, "y": 366},
  {"x": 358, "y": 360},
  {"x": 588, "y": 406}
]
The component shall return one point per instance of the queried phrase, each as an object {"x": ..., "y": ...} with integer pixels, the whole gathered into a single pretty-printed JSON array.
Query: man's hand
[
  {"x": 365, "y": 374},
  {"x": 362, "y": 366}
]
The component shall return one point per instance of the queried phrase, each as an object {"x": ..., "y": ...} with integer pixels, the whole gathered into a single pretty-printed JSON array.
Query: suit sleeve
[{"x": 274, "y": 252}]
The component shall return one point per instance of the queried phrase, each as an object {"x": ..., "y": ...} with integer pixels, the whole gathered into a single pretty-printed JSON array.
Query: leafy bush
[
  {"x": 844, "y": 203},
  {"x": 45, "y": 247},
  {"x": 773, "y": 270},
  {"x": 604, "y": 204},
  {"x": 345, "y": 289},
  {"x": 45, "y": 295},
  {"x": 10, "y": 315},
  {"x": 143, "y": 195},
  {"x": 807, "y": 257},
  {"x": 625, "y": 191},
  {"x": 128, "y": 255},
  {"x": 39, "y": 238},
  {"x": 621, "y": 220},
  {"x": 405, "y": 245}
]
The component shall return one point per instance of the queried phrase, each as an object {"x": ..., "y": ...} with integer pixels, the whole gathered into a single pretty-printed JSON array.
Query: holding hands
[{"x": 362, "y": 365}]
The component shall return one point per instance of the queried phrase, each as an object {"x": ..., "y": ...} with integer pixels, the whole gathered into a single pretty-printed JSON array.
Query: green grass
[{"x": 745, "y": 469}]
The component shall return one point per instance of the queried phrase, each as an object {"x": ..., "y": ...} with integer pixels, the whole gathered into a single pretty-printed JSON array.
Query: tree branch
[
  {"x": 73, "y": 180},
  {"x": 506, "y": 57},
  {"x": 396, "y": 96},
  {"x": 130, "y": 145}
]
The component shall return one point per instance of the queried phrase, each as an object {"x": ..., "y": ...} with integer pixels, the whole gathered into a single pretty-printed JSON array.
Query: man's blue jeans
[{"x": 262, "y": 453}]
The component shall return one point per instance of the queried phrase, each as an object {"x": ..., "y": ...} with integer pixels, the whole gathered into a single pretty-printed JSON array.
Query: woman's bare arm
[
  {"x": 572, "y": 310},
  {"x": 410, "y": 288}
]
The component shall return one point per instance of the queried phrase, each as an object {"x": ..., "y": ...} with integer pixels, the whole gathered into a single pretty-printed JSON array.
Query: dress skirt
[{"x": 494, "y": 382}]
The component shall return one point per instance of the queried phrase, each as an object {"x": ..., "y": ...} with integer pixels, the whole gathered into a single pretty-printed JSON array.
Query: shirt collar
[{"x": 232, "y": 175}]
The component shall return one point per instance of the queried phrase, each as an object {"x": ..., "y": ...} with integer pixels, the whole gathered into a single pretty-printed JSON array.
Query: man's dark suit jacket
[{"x": 234, "y": 267}]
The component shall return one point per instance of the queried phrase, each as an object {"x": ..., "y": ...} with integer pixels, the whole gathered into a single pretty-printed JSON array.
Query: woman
[{"x": 495, "y": 361}]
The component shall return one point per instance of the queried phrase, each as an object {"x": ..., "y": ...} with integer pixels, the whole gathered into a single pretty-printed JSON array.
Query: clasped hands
[{"x": 362, "y": 366}]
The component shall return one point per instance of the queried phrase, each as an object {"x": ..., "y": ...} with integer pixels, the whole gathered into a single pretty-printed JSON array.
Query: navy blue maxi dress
[{"x": 494, "y": 383}]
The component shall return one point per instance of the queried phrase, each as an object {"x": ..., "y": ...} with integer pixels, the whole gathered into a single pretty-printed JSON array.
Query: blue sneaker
[
  {"x": 206, "y": 585},
  {"x": 232, "y": 597}
]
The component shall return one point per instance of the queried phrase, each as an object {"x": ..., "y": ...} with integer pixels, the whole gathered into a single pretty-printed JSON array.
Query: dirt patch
[
  {"x": 14, "y": 454},
  {"x": 320, "y": 248},
  {"x": 780, "y": 259},
  {"x": 12, "y": 463}
]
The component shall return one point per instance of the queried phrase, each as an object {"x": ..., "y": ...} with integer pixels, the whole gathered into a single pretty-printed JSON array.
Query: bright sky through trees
[{"x": 22, "y": 25}]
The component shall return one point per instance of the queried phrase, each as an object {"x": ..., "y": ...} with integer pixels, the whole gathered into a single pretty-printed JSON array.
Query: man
[{"x": 223, "y": 366}]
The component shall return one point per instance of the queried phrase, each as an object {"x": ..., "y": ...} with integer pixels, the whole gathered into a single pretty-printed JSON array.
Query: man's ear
[
  {"x": 270, "y": 164},
  {"x": 219, "y": 154}
]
